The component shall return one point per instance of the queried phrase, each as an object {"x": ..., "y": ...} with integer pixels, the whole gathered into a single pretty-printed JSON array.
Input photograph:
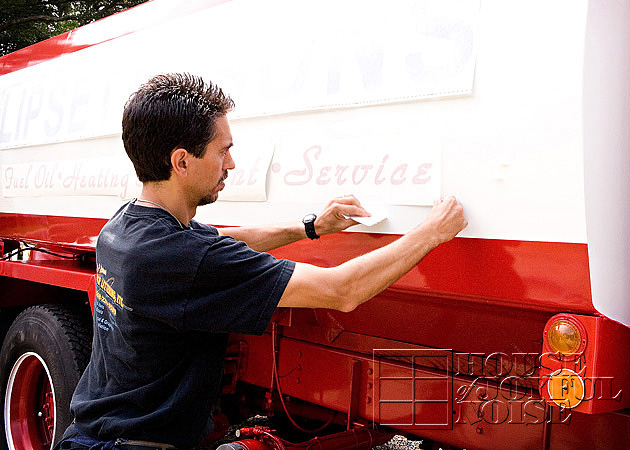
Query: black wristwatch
[{"x": 309, "y": 226}]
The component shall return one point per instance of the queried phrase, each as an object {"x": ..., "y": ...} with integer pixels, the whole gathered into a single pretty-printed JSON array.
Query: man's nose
[{"x": 228, "y": 162}]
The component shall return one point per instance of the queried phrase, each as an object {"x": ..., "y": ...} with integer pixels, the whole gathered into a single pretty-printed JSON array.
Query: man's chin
[{"x": 208, "y": 199}]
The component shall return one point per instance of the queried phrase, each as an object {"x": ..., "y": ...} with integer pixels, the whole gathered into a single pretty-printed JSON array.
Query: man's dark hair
[{"x": 168, "y": 112}]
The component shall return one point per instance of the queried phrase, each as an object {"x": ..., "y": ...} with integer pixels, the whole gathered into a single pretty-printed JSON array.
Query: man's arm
[
  {"x": 348, "y": 285},
  {"x": 334, "y": 218}
]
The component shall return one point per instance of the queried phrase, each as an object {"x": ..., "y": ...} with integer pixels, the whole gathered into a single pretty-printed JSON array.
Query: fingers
[
  {"x": 337, "y": 215},
  {"x": 346, "y": 200},
  {"x": 449, "y": 199},
  {"x": 447, "y": 216},
  {"x": 351, "y": 211},
  {"x": 348, "y": 205},
  {"x": 447, "y": 203},
  {"x": 455, "y": 215}
]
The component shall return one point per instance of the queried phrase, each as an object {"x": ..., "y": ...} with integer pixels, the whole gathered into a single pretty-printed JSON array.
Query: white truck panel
[
  {"x": 607, "y": 155},
  {"x": 510, "y": 149}
]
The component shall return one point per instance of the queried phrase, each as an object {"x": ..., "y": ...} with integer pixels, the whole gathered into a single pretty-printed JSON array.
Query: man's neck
[{"x": 159, "y": 195}]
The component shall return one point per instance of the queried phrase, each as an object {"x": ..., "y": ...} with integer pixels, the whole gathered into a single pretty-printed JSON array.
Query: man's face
[{"x": 211, "y": 170}]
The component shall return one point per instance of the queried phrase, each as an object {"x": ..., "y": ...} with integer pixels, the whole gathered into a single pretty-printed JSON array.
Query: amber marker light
[
  {"x": 565, "y": 337},
  {"x": 566, "y": 388}
]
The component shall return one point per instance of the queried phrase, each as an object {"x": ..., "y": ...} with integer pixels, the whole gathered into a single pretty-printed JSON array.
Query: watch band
[{"x": 309, "y": 226}]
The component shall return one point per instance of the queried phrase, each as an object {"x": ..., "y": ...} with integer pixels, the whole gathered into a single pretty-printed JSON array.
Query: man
[{"x": 169, "y": 290}]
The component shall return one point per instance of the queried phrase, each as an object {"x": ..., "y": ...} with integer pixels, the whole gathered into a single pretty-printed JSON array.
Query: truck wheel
[{"x": 43, "y": 355}]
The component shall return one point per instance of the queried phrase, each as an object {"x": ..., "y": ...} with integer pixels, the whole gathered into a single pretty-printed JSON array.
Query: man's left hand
[{"x": 336, "y": 215}]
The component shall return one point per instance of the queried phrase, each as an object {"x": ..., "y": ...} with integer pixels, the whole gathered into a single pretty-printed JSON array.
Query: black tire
[{"x": 43, "y": 356}]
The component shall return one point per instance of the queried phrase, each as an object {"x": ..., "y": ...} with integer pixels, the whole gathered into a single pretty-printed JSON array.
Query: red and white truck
[{"x": 516, "y": 334}]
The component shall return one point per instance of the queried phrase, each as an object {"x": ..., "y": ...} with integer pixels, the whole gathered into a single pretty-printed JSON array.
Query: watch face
[{"x": 309, "y": 218}]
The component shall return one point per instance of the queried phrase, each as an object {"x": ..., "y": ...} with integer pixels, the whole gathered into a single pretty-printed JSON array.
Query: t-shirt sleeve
[{"x": 236, "y": 289}]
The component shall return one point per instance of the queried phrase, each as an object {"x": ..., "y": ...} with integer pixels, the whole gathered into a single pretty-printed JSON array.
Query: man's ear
[{"x": 179, "y": 161}]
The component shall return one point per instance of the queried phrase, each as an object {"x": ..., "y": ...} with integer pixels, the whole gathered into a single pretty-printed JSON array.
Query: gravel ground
[{"x": 401, "y": 443}]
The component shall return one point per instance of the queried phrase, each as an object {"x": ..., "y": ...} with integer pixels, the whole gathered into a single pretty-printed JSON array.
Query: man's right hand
[{"x": 446, "y": 219}]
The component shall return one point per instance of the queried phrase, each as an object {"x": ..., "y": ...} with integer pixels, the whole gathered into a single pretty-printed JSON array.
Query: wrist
[
  {"x": 429, "y": 235},
  {"x": 309, "y": 226}
]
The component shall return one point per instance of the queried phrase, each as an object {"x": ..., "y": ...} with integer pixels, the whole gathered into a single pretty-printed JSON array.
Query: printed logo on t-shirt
[{"x": 107, "y": 300}]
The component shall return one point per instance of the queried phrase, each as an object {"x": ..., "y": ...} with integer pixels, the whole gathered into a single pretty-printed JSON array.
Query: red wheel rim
[{"x": 29, "y": 405}]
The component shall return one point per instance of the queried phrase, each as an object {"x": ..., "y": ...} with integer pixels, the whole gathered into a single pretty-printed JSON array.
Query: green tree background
[{"x": 25, "y": 22}]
